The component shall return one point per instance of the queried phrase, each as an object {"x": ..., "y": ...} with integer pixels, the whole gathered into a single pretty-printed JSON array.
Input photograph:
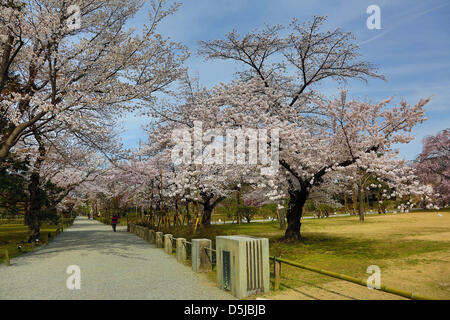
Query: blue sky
[{"x": 411, "y": 49}]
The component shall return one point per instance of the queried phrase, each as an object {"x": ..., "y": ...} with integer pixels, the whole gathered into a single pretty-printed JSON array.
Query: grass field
[
  {"x": 412, "y": 250},
  {"x": 11, "y": 236}
]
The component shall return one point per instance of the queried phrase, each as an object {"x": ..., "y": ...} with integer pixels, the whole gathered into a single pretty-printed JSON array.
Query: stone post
[
  {"x": 159, "y": 240},
  {"x": 181, "y": 250},
  {"x": 201, "y": 258},
  {"x": 168, "y": 243},
  {"x": 151, "y": 236},
  {"x": 146, "y": 234}
]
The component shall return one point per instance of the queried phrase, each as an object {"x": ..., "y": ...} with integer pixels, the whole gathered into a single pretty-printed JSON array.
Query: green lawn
[
  {"x": 412, "y": 250},
  {"x": 12, "y": 235}
]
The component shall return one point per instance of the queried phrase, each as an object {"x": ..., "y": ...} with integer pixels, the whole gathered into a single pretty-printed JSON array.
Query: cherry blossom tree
[
  {"x": 200, "y": 180},
  {"x": 347, "y": 133},
  {"x": 293, "y": 64},
  {"x": 140, "y": 183},
  {"x": 56, "y": 173},
  {"x": 54, "y": 74},
  {"x": 433, "y": 165},
  {"x": 319, "y": 136},
  {"x": 390, "y": 178},
  {"x": 68, "y": 71}
]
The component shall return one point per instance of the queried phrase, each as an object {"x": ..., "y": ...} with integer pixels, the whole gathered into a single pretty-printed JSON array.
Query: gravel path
[{"x": 113, "y": 266}]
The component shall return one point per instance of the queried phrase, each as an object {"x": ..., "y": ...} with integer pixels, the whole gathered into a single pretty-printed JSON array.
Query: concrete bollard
[
  {"x": 168, "y": 243},
  {"x": 151, "y": 236},
  {"x": 146, "y": 234},
  {"x": 159, "y": 240},
  {"x": 181, "y": 250},
  {"x": 243, "y": 265},
  {"x": 201, "y": 258}
]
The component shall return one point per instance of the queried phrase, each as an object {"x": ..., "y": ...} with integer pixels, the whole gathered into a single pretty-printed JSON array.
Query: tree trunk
[
  {"x": 238, "y": 201},
  {"x": 345, "y": 203},
  {"x": 378, "y": 203},
  {"x": 188, "y": 215},
  {"x": 207, "y": 212},
  {"x": 281, "y": 218},
  {"x": 367, "y": 201},
  {"x": 361, "y": 203},
  {"x": 207, "y": 209},
  {"x": 294, "y": 213},
  {"x": 175, "y": 217},
  {"x": 33, "y": 215}
]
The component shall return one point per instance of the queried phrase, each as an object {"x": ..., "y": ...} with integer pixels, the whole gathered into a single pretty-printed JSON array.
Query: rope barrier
[
  {"x": 360, "y": 282},
  {"x": 210, "y": 258}
]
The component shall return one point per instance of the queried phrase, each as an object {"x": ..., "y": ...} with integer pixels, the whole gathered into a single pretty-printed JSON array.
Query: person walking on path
[{"x": 114, "y": 221}]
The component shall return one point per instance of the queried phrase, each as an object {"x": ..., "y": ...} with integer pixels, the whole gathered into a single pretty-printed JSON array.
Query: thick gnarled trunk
[
  {"x": 294, "y": 214},
  {"x": 33, "y": 216},
  {"x": 207, "y": 212},
  {"x": 208, "y": 207}
]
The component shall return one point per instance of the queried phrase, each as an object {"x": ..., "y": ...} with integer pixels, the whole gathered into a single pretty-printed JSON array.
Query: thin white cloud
[{"x": 407, "y": 19}]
